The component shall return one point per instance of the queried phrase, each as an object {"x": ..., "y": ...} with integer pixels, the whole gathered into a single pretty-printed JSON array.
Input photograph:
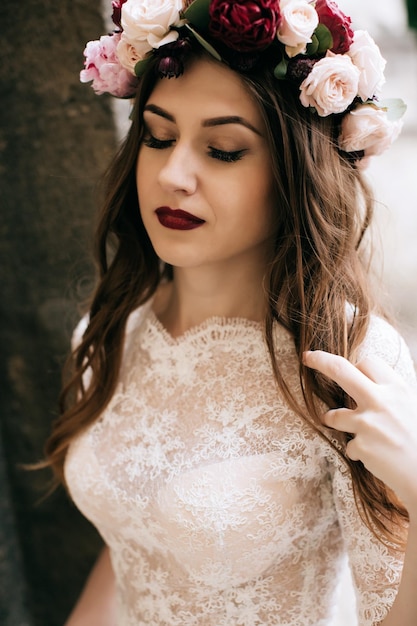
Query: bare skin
[
  {"x": 97, "y": 604},
  {"x": 205, "y": 152}
]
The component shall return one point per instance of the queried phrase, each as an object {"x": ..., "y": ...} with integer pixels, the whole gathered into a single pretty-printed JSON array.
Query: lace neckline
[
  {"x": 228, "y": 330},
  {"x": 214, "y": 327}
]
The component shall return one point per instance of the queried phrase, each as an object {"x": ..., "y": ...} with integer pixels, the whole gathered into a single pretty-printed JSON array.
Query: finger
[
  {"x": 341, "y": 419},
  {"x": 345, "y": 374},
  {"x": 352, "y": 450}
]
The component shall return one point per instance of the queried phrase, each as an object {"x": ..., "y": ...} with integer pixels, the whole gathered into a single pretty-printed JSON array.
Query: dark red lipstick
[{"x": 177, "y": 219}]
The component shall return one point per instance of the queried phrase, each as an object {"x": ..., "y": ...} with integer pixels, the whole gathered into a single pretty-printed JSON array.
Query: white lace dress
[{"x": 219, "y": 505}]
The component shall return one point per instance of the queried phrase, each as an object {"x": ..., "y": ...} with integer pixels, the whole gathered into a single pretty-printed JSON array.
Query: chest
[{"x": 197, "y": 456}]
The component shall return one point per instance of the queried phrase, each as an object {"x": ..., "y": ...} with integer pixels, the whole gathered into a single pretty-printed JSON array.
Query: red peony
[
  {"x": 245, "y": 26},
  {"x": 117, "y": 12},
  {"x": 338, "y": 24}
]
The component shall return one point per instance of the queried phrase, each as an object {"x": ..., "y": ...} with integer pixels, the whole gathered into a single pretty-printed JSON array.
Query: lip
[{"x": 177, "y": 219}]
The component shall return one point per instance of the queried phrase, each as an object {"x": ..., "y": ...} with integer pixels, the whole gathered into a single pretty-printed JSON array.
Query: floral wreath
[{"x": 338, "y": 71}]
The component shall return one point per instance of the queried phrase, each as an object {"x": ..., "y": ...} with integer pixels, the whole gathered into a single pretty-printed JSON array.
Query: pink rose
[
  {"x": 368, "y": 128},
  {"x": 244, "y": 25},
  {"x": 299, "y": 20},
  {"x": 117, "y": 12},
  {"x": 366, "y": 56},
  {"x": 338, "y": 24},
  {"x": 331, "y": 86},
  {"x": 103, "y": 68}
]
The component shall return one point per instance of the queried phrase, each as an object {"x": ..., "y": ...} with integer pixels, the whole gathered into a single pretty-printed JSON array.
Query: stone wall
[{"x": 56, "y": 137}]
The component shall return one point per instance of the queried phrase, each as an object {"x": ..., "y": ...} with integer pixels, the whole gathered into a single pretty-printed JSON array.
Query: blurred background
[
  {"x": 56, "y": 137},
  {"x": 393, "y": 24}
]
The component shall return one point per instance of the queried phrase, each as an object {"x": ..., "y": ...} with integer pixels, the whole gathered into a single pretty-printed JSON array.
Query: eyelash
[
  {"x": 220, "y": 155},
  {"x": 158, "y": 144},
  {"x": 227, "y": 157}
]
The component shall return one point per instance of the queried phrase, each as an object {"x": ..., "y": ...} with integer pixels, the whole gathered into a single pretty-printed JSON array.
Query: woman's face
[{"x": 204, "y": 177}]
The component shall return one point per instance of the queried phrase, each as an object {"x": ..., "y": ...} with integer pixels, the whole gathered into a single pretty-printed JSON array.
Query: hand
[{"x": 383, "y": 424}]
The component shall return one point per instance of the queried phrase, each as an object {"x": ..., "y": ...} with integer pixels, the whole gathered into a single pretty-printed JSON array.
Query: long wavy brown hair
[{"x": 319, "y": 266}]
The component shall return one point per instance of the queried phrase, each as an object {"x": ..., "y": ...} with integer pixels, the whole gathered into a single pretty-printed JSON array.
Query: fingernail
[{"x": 306, "y": 355}]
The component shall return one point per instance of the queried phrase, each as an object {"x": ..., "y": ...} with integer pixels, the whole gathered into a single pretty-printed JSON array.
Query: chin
[{"x": 179, "y": 260}]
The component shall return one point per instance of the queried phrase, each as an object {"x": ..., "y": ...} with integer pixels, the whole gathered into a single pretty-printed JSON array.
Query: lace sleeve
[
  {"x": 376, "y": 568},
  {"x": 79, "y": 331},
  {"x": 384, "y": 342}
]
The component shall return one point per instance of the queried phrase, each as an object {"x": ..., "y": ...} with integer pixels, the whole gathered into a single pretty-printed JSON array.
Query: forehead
[{"x": 206, "y": 89}]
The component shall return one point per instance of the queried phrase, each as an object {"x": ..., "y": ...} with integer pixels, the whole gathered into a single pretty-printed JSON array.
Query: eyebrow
[{"x": 209, "y": 123}]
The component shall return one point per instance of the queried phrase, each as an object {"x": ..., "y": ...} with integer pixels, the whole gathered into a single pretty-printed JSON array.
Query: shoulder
[
  {"x": 385, "y": 342},
  {"x": 134, "y": 321}
]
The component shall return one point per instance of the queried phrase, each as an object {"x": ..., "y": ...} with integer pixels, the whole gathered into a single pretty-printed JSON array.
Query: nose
[{"x": 179, "y": 171}]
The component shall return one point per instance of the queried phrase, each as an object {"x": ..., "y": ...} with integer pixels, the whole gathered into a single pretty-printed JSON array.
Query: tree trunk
[{"x": 56, "y": 137}]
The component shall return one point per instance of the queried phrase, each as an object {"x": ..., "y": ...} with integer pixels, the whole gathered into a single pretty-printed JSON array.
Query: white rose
[
  {"x": 367, "y": 57},
  {"x": 149, "y": 21},
  {"x": 331, "y": 85},
  {"x": 299, "y": 20},
  {"x": 368, "y": 128},
  {"x": 130, "y": 53},
  {"x": 293, "y": 51}
]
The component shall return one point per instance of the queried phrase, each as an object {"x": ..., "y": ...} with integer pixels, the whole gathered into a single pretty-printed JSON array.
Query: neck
[{"x": 197, "y": 294}]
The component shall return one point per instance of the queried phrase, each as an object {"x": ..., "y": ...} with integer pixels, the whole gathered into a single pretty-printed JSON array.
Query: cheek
[
  {"x": 144, "y": 179},
  {"x": 255, "y": 202}
]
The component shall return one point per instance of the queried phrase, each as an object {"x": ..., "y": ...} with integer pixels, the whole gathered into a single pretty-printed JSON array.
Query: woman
[{"x": 231, "y": 314}]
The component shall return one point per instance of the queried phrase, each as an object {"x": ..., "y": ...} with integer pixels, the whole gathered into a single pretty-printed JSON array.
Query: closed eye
[
  {"x": 221, "y": 155},
  {"x": 228, "y": 157},
  {"x": 159, "y": 144}
]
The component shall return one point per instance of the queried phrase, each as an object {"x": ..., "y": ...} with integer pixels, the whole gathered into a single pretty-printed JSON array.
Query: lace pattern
[{"x": 219, "y": 505}]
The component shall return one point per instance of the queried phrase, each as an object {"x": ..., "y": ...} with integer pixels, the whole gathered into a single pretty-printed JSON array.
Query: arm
[
  {"x": 96, "y": 605},
  {"x": 384, "y": 429}
]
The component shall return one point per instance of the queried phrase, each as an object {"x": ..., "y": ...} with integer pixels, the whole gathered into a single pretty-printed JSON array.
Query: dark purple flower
[
  {"x": 170, "y": 67},
  {"x": 172, "y": 55},
  {"x": 299, "y": 68}
]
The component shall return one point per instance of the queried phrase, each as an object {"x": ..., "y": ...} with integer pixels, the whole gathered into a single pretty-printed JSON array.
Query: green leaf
[
  {"x": 395, "y": 107},
  {"x": 198, "y": 14},
  {"x": 280, "y": 71},
  {"x": 324, "y": 37},
  {"x": 313, "y": 46},
  {"x": 204, "y": 43},
  {"x": 141, "y": 66}
]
